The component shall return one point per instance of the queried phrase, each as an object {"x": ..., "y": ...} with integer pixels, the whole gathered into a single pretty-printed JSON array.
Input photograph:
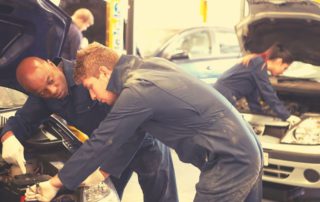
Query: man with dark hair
[{"x": 179, "y": 110}]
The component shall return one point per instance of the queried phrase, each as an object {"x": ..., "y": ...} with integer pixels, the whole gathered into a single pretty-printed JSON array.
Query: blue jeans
[{"x": 154, "y": 167}]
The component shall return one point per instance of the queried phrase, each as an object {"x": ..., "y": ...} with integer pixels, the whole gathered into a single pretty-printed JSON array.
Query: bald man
[{"x": 53, "y": 90}]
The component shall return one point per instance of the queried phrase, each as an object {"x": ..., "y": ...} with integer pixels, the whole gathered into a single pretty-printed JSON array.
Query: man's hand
[
  {"x": 13, "y": 152},
  {"x": 95, "y": 178},
  {"x": 44, "y": 191},
  {"x": 293, "y": 120}
]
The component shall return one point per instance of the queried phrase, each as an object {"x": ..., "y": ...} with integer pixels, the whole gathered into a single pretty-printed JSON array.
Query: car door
[{"x": 29, "y": 28}]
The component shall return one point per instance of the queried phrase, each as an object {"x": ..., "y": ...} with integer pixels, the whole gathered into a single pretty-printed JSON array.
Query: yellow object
[
  {"x": 204, "y": 9},
  {"x": 114, "y": 19},
  {"x": 78, "y": 133}
]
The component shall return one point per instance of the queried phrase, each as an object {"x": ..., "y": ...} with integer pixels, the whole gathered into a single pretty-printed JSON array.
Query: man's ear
[
  {"x": 105, "y": 70},
  {"x": 51, "y": 63}
]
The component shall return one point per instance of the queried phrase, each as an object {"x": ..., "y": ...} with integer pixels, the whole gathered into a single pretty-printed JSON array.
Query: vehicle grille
[
  {"x": 3, "y": 121},
  {"x": 277, "y": 171}
]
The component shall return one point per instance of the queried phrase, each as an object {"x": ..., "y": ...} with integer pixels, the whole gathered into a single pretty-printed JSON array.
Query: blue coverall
[
  {"x": 251, "y": 82},
  {"x": 150, "y": 158},
  {"x": 72, "y": 43},
  {"x": 185, "y": 114}
]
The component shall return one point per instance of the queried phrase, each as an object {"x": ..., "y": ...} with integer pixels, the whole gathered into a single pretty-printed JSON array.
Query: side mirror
[{"x": 179, "y": 55}]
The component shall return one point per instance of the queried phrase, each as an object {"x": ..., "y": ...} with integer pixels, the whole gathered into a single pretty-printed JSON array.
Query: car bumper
[{"x": 292, "y": 169}]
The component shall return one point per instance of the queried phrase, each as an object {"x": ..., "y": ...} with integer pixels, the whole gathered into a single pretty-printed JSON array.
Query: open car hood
[
  {"x": 29, "y": 28},
  {"x": 294, "y": 23}
]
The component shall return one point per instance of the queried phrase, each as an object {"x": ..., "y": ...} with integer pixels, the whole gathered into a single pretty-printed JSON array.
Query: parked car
[
  {"x": 291, "y": 152},
  {"x": 204, "y": 52},
  {"x": 37, "y": 28}
]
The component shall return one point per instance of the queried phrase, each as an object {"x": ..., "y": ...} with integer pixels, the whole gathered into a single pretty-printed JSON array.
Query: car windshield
[
  {"x": 11, "y": 98},
  {"x": 153, "y": 41},
  {"x": 228, "y": 43}
]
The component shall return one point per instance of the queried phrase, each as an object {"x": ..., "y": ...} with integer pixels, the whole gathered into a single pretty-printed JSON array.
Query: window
[
  {"x": 227, "y": 43},
  {"x": 195, "y": 45}
]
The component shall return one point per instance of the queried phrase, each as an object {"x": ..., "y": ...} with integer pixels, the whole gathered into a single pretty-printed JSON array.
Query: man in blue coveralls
[
  {"x": 82, "y": 19},
  {"x": 179, "y": 110},
  {"x": 54, "y": 91}
]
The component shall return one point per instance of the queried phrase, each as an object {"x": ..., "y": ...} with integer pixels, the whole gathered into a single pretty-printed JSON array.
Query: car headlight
[
  {"x": 102, "y": 192},
  {"x": 3, "y": 121},
  {"x": 307, "y": 133}
]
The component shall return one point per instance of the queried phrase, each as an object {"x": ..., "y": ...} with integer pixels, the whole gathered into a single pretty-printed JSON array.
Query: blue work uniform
[
  {"x": 184, "y": 113},
  {"x": 148, "y": 157},
  {"x": 72, "y": 43},
  {"x": 251, "y": 82}
]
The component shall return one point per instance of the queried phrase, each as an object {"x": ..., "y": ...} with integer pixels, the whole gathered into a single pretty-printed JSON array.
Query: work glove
[
  {"x": 293, "y": 120},
  {"x": 44, "y": 191},
  {"x": 13, "y": 152},
  {"x": 95, "y": 178}
]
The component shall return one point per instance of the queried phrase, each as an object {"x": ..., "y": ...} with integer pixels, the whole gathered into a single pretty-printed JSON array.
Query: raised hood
[
  {"x": 29, "y": 28},
  {"x": 294, "y": 23}
]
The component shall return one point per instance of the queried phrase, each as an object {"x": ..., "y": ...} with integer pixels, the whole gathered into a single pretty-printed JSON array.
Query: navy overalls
[
  {"x": 147, "y": 156},
  {"x": 251, "y": 82},
  {"x": 184, "y": 113}
]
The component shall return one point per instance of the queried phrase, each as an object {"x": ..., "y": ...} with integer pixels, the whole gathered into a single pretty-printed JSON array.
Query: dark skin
[{"x": 42, "y": 78}]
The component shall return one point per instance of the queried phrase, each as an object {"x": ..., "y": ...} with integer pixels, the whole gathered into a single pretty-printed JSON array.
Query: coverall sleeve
[
  {"x": 27, "y": 118},
  {"x": 269, "y": 94},
  {"x": 74, "y": 46},
  {"x": 72, "y": 43},
  {"x": 253, "y": 102},
  {"x": 108, "y": 142}
]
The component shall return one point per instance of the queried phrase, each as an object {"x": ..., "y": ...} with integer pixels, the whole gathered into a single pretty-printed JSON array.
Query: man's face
[
  {"x": 277, "y": 66},
  {"x": 84, "y": 25},
  {"x": 98, "y": 86},
  {"x": 97, "y": 89},
  {"x": 49, "y": 82}
]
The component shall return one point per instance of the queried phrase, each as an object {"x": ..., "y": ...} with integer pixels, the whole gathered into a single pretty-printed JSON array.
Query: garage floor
[{"x": 187, "y": 176}]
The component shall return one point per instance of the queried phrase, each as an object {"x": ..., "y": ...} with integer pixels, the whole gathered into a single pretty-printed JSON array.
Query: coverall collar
[
  {"x": 68, "y": 72},
  {"x": 120, "y": 72}
]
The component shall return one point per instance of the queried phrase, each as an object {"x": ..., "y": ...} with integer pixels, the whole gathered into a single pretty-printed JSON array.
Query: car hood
[
  {"x": 294, "y": 23},
  {"x": 29, "y": 28}
]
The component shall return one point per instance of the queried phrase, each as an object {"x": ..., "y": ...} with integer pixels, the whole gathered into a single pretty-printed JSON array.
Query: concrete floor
[{"x": 186, "y": 176}]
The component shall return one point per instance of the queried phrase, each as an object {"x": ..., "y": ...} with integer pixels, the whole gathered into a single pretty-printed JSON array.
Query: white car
[{"x": 291, "y": 153}]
